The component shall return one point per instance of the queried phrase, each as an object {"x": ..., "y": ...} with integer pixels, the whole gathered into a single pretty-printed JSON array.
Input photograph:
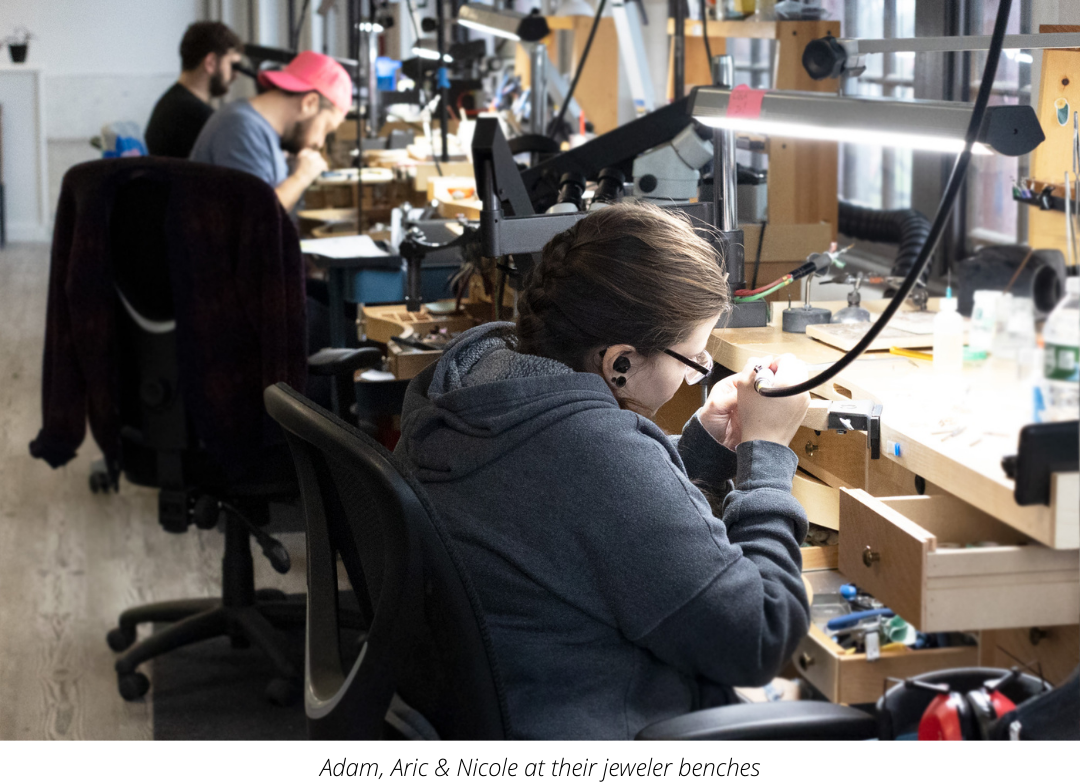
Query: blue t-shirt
[{"x": 237, "y": 136}]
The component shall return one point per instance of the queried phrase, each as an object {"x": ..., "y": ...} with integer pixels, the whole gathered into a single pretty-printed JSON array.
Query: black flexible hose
[
  {"x": 907, "y": 228},
  {"x": 557, "y": 122},
  {"x": 952, "y": 189},
  {"x": 705, "y": 35}
]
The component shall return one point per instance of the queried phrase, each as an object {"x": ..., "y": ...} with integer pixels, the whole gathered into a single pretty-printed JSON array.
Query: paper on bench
[{"x": 357, "y": 246}]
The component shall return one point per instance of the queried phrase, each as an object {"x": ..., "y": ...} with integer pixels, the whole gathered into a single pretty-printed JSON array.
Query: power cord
[
  {"x": 941, "y": 219},
  {"x": 557, "y": 123}
]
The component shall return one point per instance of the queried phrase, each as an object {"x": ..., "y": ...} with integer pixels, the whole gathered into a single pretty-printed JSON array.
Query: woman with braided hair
[{"x": 613, "y": 594}]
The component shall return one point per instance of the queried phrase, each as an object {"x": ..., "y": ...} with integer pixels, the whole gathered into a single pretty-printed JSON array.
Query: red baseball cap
[{"x": 313, "y": 71}]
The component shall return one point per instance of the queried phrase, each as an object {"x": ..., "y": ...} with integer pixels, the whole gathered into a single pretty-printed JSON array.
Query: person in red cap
[{"x": 301, "y": 105}]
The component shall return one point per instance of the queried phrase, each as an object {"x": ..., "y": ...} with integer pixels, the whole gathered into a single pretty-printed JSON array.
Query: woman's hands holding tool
[
  {"x": 719, "y": 413},
  {"x": 775, "y": 419},
  {"x": 736, "y": 413}
]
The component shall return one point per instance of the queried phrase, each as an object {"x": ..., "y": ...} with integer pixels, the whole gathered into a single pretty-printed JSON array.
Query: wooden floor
[{"x": 70, "y": 560}]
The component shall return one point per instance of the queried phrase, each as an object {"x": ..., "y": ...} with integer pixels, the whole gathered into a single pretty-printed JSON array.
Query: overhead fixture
[
  {"x": 505, "y": 24},
  {"x": 427, "y": 49},
  {"x": 933, "y": 126}
]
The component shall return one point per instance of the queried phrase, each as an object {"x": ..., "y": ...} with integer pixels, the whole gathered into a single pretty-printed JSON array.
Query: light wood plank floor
[{"x": 70, "y": 560}]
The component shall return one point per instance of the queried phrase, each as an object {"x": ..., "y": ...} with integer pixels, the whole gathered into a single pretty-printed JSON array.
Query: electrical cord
[
  {"x": 557, "y": 122},
  {"x": 948, "y": 199},
  {"x": 705, "y": 33}
]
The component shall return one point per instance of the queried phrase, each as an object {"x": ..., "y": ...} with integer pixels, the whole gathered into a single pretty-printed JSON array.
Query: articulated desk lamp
[
  {"x": 960, "y": 128},
  {"x": 528, "y": 29}
]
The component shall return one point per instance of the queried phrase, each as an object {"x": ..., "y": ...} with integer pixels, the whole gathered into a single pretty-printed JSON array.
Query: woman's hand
[
  {"x": 774, "y": 419},
  {"x": 719, "y": 413}
]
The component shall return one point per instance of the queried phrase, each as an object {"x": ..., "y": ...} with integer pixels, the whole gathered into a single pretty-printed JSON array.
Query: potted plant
[{"x": 18, "y": 43}]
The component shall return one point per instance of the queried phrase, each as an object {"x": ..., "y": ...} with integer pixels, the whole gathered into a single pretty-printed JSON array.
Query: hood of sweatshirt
[{"x": 483, "y": 398}]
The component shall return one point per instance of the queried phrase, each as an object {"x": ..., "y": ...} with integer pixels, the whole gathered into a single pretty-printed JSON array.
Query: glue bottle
[{"x": 948, "y": 338}]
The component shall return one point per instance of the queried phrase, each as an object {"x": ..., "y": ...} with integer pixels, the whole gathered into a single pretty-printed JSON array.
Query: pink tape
[{"x": 745, "y": 102}]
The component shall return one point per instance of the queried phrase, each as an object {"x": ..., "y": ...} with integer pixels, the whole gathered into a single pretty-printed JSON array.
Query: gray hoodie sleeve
[
  {"x": 718, "y": 599},
  {"x": 708, "y": 463}
]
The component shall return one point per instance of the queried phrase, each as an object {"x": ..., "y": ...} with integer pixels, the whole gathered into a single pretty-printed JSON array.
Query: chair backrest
[
  {"x": 427, "y": 641},
  {"x": 155, "y": 427}
]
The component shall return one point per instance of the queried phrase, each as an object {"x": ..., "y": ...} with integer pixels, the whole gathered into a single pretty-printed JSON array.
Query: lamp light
[
  {"x": 505, "y": 24},
  {"x": 428, "y": 49},
  {"x": 934, "y": 126},
  {"x": 574, "y": 8}
]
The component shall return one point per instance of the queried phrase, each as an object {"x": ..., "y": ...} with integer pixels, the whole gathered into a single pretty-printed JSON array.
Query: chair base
[
  {"x": 248, "y": 616},
  {"x": 200, "y": 620}
]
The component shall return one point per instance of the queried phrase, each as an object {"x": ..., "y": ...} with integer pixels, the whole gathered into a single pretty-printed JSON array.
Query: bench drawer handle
[{"x": 870, "y": 557}]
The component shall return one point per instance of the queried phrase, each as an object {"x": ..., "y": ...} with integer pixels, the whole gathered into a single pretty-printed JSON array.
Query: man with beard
[
  {"x": 302, "y": 104},
  {"x": 208, "y": 52}
]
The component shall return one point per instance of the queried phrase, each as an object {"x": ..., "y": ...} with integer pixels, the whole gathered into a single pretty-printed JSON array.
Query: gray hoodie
[{"x": 613, "y": 595}]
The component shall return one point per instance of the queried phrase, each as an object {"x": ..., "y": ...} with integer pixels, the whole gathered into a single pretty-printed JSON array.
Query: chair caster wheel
[
  {"x": 99, "y": 483},
  {"x": 120, "y": 639},
  {"x": 133, "y": 685},
  {"x": 270, "y": 595},
  {"x": 282, "y": 692}
]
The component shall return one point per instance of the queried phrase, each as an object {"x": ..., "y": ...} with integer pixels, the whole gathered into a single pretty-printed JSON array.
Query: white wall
[{"x": 104, "y": 60}]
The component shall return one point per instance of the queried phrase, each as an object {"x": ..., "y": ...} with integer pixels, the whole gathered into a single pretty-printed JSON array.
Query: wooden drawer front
[
  {"x": 902, "y": 551},
  {"x": 850, "y": 678},
  {"x": 820, "y": 500},
  {"x": 407, "y": 363},
  {"x": 834, "y": 458}
]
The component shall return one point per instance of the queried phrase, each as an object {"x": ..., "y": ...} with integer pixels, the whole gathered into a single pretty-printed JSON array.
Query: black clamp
[{"x": 858, "y": 415}]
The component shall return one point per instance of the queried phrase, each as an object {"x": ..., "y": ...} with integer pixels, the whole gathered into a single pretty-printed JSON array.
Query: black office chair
[
  {"x": 428, "y": 641},
  {"x": 161, "y": 450}
]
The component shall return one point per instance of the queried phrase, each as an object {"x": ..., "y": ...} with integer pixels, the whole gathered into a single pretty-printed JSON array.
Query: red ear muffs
[
  {"x": 955, "y": 717},
  {"x": 947, "y": 718}
]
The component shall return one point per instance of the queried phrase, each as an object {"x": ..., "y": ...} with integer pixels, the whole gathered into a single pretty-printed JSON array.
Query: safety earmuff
[{"x": 952, "y": 716}]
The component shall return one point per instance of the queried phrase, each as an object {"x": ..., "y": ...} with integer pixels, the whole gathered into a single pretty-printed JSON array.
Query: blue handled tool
[{"x": 850, "y": 620}]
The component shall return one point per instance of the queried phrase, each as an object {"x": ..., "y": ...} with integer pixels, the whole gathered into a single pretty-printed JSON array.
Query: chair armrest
[
  {"x": 775, "y": 721},
  {"x": 331, "y": 362}
]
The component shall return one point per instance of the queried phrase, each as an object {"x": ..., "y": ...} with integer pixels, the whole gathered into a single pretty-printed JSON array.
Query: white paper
[
  {"x": 357, "y": 246},
  {"x": 873, "y": 646}
]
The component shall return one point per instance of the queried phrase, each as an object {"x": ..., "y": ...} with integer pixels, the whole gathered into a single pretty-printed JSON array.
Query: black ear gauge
[
  {"x": 619, "y": 381},
  {"x": 622, "y": 364}
]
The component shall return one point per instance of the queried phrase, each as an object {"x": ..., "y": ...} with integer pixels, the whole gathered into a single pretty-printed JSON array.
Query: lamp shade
[
  {"x": 934, "y": 126},
  {"x": 505, "y": 24}
]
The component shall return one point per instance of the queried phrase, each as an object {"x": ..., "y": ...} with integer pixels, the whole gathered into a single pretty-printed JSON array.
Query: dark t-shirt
[{"x": 175, "y": 123}]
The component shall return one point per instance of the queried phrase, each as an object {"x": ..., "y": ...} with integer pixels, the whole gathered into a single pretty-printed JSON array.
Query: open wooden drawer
[
  {"x": 913, "y": 554},
  {"x": 851, "y": 678}
]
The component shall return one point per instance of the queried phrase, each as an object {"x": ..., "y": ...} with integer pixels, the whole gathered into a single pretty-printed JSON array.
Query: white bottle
[
  {"x": 983, "y": 323},
  {"x": 948, "y": 338},
  {"x": 1061, "y": 370}
]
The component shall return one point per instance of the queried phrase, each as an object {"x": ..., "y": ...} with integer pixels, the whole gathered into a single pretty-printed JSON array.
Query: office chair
[
  {"x": 428, "y": 657},
  {"x": 161, "y": 450}
]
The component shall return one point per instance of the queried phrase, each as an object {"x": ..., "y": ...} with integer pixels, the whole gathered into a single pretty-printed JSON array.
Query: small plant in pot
[{"x": 18, "y": 44}]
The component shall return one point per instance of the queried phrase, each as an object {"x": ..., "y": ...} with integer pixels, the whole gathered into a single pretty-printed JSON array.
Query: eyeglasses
[{"x": 698, "y": 368}]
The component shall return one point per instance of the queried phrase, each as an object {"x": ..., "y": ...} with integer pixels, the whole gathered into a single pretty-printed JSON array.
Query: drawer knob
[
  {"x": 870, "y": 557},
  {"x": 805, "y": 660},
  {"x": 810, "y": 448}
]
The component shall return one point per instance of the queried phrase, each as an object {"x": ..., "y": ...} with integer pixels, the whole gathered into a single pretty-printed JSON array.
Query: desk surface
[{"x": 919, "y": 410}]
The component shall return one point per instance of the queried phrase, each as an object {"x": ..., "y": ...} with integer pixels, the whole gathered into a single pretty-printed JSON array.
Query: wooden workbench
[
  {"x": 917, "y": 406},
  {"x": 964, "y": 558}
]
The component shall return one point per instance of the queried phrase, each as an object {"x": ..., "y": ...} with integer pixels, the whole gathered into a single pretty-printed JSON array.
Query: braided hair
[{"x": 631, "y": 274}]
